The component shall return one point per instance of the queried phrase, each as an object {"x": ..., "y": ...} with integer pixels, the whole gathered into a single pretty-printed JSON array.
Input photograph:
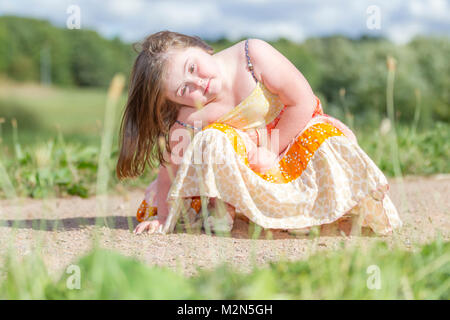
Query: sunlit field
[
  {"x": 66, "y": 221},
  {"x": 51, "y": 141},
  {"x": 76, "y": 113},
  {"x": 47, "y": 153}
]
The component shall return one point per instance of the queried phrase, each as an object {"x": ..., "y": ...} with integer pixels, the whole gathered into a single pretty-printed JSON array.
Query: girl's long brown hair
[{"x": 148, "y": 114}]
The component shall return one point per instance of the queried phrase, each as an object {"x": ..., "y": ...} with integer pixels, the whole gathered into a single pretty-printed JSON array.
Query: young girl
[{"x": 314, "y": 173}]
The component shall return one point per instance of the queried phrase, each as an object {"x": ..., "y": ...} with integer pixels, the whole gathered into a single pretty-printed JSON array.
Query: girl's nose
[{"x": 200, "y": 82}]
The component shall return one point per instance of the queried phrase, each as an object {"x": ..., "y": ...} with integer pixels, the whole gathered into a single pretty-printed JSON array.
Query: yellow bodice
[{"x": 259, "y": 109}]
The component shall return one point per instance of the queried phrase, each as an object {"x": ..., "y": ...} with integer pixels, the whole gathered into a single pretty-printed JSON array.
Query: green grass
[
  {"x": 57, "y": 168},
  {"x": 40, "y": 111},
  {"x": 40, "y": 159},
  {"x": 419, "y": 153},
  {"x": 341, "y": 274},
  {"x": 50, "y": 140},
  {"x": 54, "y": 148}
]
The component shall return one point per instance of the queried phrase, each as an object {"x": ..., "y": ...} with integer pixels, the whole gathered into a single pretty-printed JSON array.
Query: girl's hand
[
  {"x": 150, "y": 226},
  {"x": 252, "y": 135},
  {"x": 262, "y": 160},
  {"x": 250, "y": 146}
]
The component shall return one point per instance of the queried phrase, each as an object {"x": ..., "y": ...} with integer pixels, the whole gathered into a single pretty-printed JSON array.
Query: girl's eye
[
  {"x": 184, "y": 90},
  {"x": 191, "y": 68}
]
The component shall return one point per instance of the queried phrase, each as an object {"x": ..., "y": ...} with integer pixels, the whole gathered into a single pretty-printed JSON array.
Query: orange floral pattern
[
  {"x": 291, "y": 166},
  {"x": 145, "y": 211}
]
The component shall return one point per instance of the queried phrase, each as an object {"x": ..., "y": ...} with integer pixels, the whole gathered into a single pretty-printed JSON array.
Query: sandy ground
[{"x": 67, "y": 227}]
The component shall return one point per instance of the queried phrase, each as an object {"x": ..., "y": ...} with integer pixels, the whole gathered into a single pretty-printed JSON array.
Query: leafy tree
[{"x": 349, "y": 75}]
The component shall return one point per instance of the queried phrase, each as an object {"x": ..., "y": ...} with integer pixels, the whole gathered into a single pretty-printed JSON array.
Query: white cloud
[
  {"x": 181, "y": 14},
  {"x": 268, "y": 31},
  {"x": 432, "y": 9},
  {"x": 401, "y": 34}
]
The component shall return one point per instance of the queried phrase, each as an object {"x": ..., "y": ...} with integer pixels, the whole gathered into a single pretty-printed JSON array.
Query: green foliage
[
  {"x": 420, "y": 153},
  {"x": 349, "y": 76},
  {"x": 330, "y": 64},
  {"x": 359, "y": 68},
  {"x": 29, "y": 280},
  {"x": 57, "y": 169},
  {"x": 109, "y": 275},
  {"x": 79, "y": 57},
  {"x": 435, "y": 71},
  {"x": 40, "y": 164},
  {"x": 39, "y": 110},
  {"x": 340, "y": 274}
]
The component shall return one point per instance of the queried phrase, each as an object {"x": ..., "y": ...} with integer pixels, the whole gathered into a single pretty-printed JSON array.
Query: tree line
[{"x": 349, "y": 75}]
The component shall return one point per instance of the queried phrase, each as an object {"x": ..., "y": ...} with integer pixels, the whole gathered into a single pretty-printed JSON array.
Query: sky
[{"x": 132, "y": 20}]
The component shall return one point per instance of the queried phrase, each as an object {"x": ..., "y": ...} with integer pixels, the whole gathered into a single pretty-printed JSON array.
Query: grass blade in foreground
[
  {"x": 114, "y": 93},
  {"x": 374, "y": 272}
]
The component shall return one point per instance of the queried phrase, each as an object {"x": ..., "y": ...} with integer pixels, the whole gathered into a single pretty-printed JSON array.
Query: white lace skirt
[{"x": 322, "y": 176}]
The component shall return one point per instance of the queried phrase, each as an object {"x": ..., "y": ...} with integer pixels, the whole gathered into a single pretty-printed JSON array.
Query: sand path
[{"x": 67, "y": 226}]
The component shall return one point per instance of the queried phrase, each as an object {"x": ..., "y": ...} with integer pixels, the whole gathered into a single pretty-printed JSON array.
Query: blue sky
[{"x": 132, "y": 20}]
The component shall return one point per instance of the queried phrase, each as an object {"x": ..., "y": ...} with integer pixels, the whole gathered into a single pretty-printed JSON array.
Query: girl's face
[{"x": 192, "y": 77}]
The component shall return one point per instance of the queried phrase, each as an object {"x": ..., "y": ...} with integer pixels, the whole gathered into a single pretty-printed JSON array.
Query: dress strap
[
  {"x": 249, "y": 63},
  {"x": 188, "y": 125}
]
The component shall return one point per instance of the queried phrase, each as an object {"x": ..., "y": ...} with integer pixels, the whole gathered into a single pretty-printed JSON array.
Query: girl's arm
[
  {"x": 163, "y": 187},
  {"x": 180, "y": 139},
  {"x": 260, "y": 158},
  {"x": 282, "y": 78}
]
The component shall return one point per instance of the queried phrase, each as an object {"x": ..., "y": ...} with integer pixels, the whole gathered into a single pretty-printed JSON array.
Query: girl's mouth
[{"x": 207, "y": 87}]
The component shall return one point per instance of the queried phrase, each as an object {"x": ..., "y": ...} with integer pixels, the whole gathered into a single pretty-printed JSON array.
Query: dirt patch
[{"x": 66, "y": 228}]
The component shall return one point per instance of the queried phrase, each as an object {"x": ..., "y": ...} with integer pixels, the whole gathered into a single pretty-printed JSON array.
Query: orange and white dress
[{"x": 321, "y": 176}]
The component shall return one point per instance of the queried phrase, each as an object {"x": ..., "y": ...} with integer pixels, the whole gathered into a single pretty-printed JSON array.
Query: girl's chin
[{"x": 200, "y": 104}]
